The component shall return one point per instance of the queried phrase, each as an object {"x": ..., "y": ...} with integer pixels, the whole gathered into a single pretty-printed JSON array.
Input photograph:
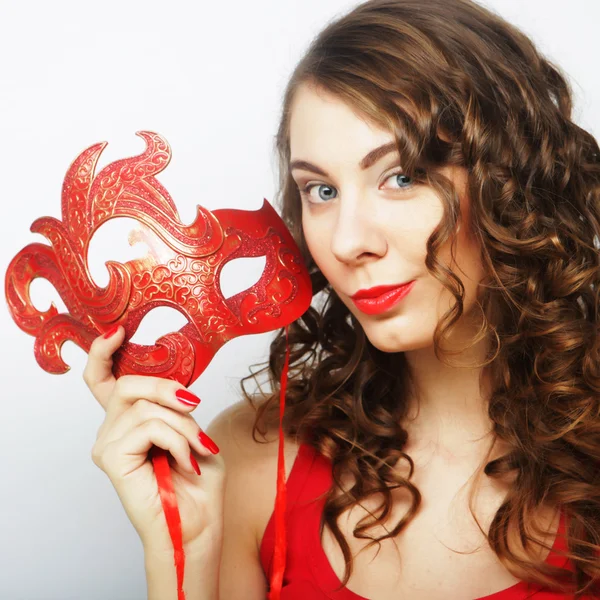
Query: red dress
[{"x": 309, "y": 575}]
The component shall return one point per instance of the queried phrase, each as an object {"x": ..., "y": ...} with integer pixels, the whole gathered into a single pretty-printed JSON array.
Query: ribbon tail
[
  {"x": 168, "y": 499},
  {"x": 279, "y": 557}
]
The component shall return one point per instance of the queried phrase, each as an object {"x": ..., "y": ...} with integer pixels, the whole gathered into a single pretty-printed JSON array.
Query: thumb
[{"x": 98, "y": 373}]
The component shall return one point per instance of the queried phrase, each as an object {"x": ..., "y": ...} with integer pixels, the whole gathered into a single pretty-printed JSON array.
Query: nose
[{"x": 358, "y": 233}]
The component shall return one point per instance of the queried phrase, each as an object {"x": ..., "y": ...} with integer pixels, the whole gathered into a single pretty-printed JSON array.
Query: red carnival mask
[{"x": 181, "y": 271}]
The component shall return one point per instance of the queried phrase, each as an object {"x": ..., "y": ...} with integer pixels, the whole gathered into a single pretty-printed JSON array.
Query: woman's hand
[{"x": 143, "y": 411}]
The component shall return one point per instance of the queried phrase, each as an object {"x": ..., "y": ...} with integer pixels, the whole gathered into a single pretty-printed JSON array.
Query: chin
[
  {"x": 390, "y": 337},
  {"x": 393, "y": 346}
]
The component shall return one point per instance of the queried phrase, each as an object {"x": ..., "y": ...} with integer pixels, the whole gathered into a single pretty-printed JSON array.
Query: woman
[{"x": 449, "y": 431}]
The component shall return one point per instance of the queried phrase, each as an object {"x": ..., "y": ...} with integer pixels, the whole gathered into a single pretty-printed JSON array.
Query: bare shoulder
[
  {"x": 251, "y": 466},
  {"x": 232, "y": 431}
]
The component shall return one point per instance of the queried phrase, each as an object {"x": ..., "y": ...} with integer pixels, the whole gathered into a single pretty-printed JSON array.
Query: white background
[{"x": 209, "y": 77}]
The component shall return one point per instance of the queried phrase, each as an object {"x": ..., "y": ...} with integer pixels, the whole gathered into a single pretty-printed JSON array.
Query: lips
[
  {"x": 383, "y": 301},
  {"x": 378, "y": 290}
]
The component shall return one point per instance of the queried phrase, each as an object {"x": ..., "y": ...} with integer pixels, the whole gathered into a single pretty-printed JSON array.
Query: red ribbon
[
  {"x": 280, "y": 500},
  {"x": 168, "y": 499}
]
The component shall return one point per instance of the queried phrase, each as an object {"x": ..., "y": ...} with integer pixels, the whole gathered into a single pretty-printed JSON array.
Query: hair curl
[{"x": 458, "y": 85}]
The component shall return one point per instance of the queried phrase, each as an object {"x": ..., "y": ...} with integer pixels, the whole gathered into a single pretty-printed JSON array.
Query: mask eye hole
[
  {"x": 241, "y": 274},
  {"x": 158, "y": 322}
]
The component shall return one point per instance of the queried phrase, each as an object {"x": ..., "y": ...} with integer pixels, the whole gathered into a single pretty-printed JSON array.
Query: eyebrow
[{"x": 368, "y": 161}]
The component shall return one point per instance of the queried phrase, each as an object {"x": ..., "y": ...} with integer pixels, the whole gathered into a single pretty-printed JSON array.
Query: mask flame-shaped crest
[{"x": 181, "y": 271}]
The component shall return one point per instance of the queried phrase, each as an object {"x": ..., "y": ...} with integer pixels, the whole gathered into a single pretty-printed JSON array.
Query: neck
[{"x": 448, "y": 403}]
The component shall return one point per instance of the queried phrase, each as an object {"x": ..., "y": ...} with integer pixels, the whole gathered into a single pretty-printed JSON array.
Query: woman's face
[{"x": 369, "y": 226}]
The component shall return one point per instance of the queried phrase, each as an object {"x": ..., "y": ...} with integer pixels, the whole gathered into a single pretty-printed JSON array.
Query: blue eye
[
  {"x": 405, "y": 179},
  {"x": 326, "y": 196}
]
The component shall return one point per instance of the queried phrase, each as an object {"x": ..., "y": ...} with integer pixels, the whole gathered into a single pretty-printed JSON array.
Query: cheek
[
  {"x": 408, "y": 226},
  {"x": 315, "y": 240}
]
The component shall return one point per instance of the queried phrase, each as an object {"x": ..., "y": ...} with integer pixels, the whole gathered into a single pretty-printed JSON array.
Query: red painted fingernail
[
  {"x": 195, "y": 464},
  {"x": 187, "y": 397},
  {"x": 111, "y": 332},
  {"x": 206, "y": 441}
]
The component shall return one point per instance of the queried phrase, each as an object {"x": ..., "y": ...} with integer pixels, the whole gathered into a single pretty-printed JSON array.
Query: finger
[
  {"x": 127, "y": 454},
  {"x": 97, "y": 373},
  {"x": 143, "y": 411},
  {"x": 165, "y": 392}
]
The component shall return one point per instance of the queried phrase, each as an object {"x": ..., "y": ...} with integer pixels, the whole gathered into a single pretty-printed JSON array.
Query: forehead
[{"x": 324, "y": 126}]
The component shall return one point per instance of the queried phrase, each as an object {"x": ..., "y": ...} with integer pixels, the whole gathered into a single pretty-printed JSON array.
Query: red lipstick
[{"x": 381, "y": 298}]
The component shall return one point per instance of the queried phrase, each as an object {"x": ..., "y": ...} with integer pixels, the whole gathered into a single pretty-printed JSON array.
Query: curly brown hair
[{"x": 458, "y": 85}]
